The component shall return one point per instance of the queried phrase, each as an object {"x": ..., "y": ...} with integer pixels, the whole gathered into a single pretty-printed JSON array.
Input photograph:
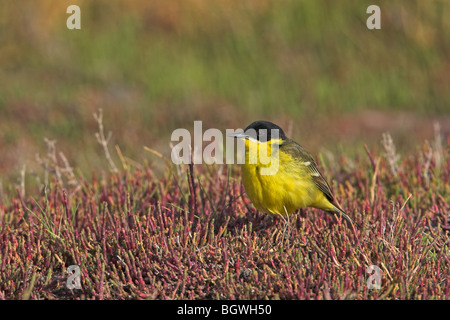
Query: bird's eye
[{"x": 252, "y": 133}]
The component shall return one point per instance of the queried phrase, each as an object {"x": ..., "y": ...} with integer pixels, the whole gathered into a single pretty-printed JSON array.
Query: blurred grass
[{"x": 155, "y": 66}]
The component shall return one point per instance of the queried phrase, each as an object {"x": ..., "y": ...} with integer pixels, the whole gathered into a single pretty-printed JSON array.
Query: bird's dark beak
[{"x": 238, "y": 135}]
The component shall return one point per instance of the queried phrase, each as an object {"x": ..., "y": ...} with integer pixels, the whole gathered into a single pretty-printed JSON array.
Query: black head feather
[{"x": 263, "y": 131}]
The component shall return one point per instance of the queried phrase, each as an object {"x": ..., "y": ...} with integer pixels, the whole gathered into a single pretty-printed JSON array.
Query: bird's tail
[{"x": 338, "y": 212}]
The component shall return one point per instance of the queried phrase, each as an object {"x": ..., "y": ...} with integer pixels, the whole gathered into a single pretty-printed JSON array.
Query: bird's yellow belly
[{"x": 281, "y": 193}]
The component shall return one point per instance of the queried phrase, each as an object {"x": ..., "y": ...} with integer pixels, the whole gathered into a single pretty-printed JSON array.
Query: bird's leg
[{"x": 286, "y": 225}]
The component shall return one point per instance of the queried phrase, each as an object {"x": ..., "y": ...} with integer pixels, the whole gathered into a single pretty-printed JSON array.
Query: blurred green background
[{"x": 310, "y": 66}]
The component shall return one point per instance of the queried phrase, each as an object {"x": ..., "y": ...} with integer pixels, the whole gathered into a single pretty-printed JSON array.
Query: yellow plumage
[
  {"x": 284, "y": 192},
  {"x": 280, "y": 176}
]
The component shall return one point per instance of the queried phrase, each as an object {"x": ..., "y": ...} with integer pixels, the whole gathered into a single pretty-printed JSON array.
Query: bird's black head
[{"x": 263, "y": 131}]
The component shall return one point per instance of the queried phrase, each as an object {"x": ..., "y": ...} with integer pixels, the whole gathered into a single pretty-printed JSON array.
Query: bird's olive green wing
[{"x": 304, "y": 158}]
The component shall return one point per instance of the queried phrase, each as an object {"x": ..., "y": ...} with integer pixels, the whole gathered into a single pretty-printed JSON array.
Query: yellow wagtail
[{"x": 295, "y": 182}]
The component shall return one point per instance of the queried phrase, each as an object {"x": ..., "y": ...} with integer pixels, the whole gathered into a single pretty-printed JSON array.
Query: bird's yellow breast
[{"x": 284, "y": 190}]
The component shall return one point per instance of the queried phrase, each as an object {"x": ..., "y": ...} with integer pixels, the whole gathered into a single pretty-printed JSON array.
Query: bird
[{"x": 280, "y": 176}]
